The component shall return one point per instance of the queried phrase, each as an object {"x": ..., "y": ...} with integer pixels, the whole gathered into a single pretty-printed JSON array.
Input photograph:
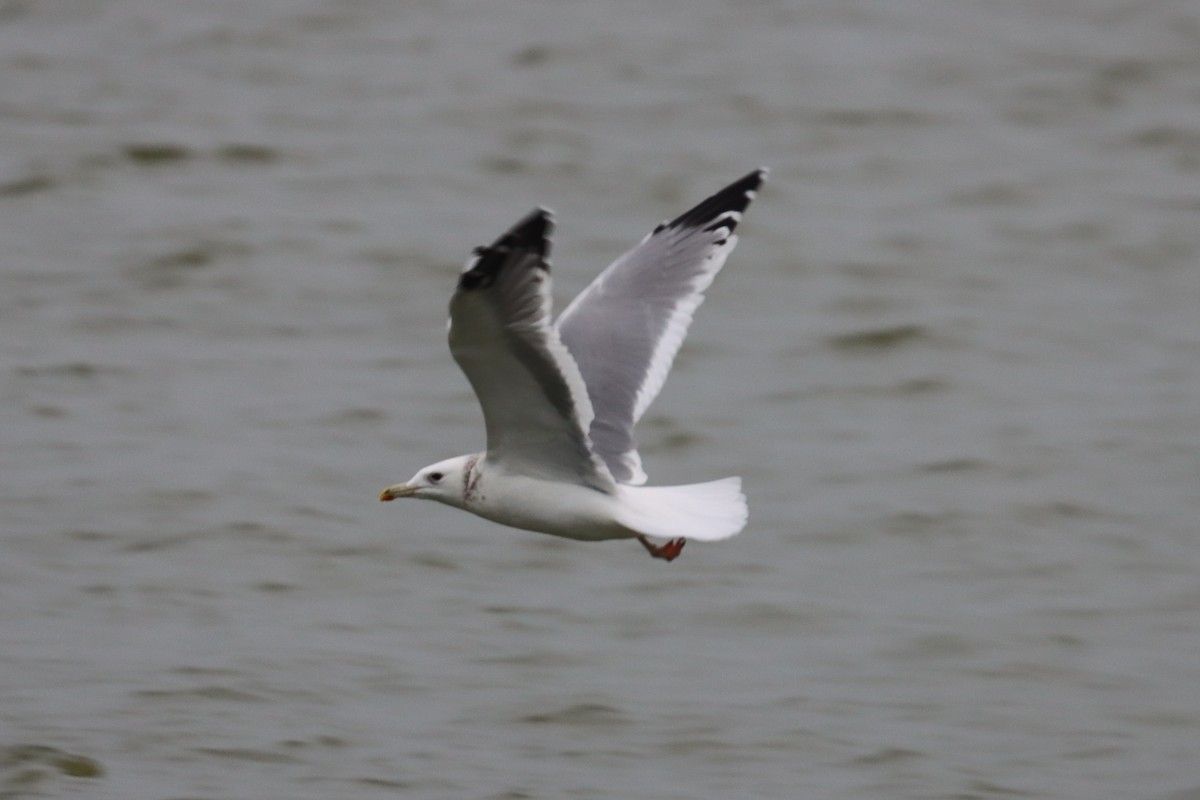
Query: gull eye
[{"x": 436, "y": 477}]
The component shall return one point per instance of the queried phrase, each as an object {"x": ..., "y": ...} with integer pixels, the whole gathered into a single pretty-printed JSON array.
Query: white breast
[{"x": 572, "y": 511}]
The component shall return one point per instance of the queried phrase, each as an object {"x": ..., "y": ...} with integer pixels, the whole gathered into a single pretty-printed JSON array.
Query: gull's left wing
[{"x": 535, "y": 404}]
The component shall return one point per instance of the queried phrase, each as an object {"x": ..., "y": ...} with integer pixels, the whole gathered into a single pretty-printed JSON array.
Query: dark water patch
[
  {"x": 1180, "y": 719},
  {"x": 173, "y": 269},
  {"x": 120, "y": 323},
  {"x": 1062, "y": 640},
  {"x": 30, "y": 184},
  {"x": 323, "y": 741},
  {"x": 503, "y": 165},
  {"x": 545, "y": 563},
  {"x": 156, "y": 153},
  {"x": 154, "y": 544},
  {"x": 396, "y": 363},
  {"x": 876, "y": 118},
  {"x": 990, "y": 195},
  {"x": 276, "y": 587},
  {"x": 763, "y": 616},
  {"x": 92, "y": 535},
  {"x": 190, "y": 258},
  {"x": 384, "y": 783},
  {"x": 240, "y": 153},
  {"x": 1056, "y": 510},
  {"x": 178, "y": 498},
  {"x": 954, "y": 465},
  {"x": 923, "y": 523},
  {"x": 1064, "y": 508},
  {"x": 48, "y": 412},
  {"x": 905, "y": 388},
  {"x": 323, "y": 514},
  {"x": 532, "y": 56},
  {"x": 26, "y": 766},
  {"x": 72, "y": 369},
  {"x": 708, "y": 748},
  {"x": 433, "y": 560},
  {"x": 888, "y": 755},
  {"x": 536, "y": 660},
  {"x": 1166, "y": 137},
  {"x": 163, "y": 154},
  {"x": 255, "y": 755},
  {"x": 1163, "y": 253},
  {"x": 1111, "y": 82},
  {"x": 389, "y": 257},
  {"x": 663, "y": 434},
  {"x": 370, "y": 551},
  {"x": 907, "y": 244},
  {"x": 1079, "y": 232},
  {"x": 785, "y": 397},
  {"x": 875, "y": 339},
  {"x": 210, "y": 672},
  {"x": 250, "y": 531},
  {"x": 676, "y": 440},
  {"x": 224, "y": 694},
  {"x": 536, "y": 148},
  {"x": 583, "y": 714},
  {"x": 355, "y": 416},
  {"x": 990, "y": 789},
  {"x": 1039, "y": 104},
  {"x": 246, "y": 528},
  {"x": 1040, "y": 673},
  {"x": 935, "y": 646},
  {"x": 667, "y": 583},
  {"x": 1099, "y": 753}
]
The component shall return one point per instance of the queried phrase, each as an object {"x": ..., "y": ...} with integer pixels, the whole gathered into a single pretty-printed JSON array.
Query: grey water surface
[{"x": 956, "y": 359}]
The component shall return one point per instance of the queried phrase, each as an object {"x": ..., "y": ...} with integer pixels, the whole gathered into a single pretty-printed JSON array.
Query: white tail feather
[{"x": 706, "y": 512}]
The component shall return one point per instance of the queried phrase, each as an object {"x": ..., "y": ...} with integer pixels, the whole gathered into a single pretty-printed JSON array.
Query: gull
[{"x": 560, "y": 399}]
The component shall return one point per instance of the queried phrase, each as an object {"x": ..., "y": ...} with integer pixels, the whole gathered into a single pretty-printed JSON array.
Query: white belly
[{"x": 560, "y": 509}]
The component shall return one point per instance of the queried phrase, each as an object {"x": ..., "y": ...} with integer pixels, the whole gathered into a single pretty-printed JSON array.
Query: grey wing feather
[
  {"x": 625, "y": 329},
  {"x": 535, "y": 405}
]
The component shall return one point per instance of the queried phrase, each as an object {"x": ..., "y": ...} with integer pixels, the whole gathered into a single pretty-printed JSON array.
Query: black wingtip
[
  {"x": 531, "y": 234},
  {"x": 735, "y": 197}
]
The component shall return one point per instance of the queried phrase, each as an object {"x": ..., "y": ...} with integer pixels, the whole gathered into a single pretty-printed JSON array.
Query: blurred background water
[{"x": 956, "y": 358}]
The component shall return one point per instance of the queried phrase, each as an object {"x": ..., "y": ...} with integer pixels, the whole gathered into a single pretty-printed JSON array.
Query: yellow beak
[{"x": 399, "y": 490}]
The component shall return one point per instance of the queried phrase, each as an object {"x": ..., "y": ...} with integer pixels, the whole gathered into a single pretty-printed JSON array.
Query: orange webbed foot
[{"x": 667, "y": 552}]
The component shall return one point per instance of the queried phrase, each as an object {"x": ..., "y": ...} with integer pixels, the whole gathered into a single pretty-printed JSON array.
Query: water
[{"x": 955, "y": 357}]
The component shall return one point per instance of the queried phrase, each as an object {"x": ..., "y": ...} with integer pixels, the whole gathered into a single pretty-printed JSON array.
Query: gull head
[{"x": 444, "y": 481}]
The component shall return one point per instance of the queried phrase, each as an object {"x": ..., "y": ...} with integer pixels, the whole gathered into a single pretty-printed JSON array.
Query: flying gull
[{"x": 560, "y": 399}]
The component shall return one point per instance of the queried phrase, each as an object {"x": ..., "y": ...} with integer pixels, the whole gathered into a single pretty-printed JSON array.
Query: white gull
[{"x": 560, "y": 400}]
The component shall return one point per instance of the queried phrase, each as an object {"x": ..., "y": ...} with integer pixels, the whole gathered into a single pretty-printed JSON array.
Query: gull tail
[{"x": 706, "y": 512}]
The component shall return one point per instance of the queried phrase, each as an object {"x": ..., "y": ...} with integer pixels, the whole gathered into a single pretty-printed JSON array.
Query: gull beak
[{"x": 398, "y": 490}]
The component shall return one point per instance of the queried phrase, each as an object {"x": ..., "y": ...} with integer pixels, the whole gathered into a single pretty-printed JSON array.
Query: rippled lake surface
[{"x": 956, "y": 359}]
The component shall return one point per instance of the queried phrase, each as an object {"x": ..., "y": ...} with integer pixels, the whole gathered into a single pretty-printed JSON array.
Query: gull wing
[
  {"x": 626, "y": 327},
  {"x": 535, "y": 404}
]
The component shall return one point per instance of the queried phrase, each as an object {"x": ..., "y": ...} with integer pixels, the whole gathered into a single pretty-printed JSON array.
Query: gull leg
[{"x": 668, "y": 552}]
